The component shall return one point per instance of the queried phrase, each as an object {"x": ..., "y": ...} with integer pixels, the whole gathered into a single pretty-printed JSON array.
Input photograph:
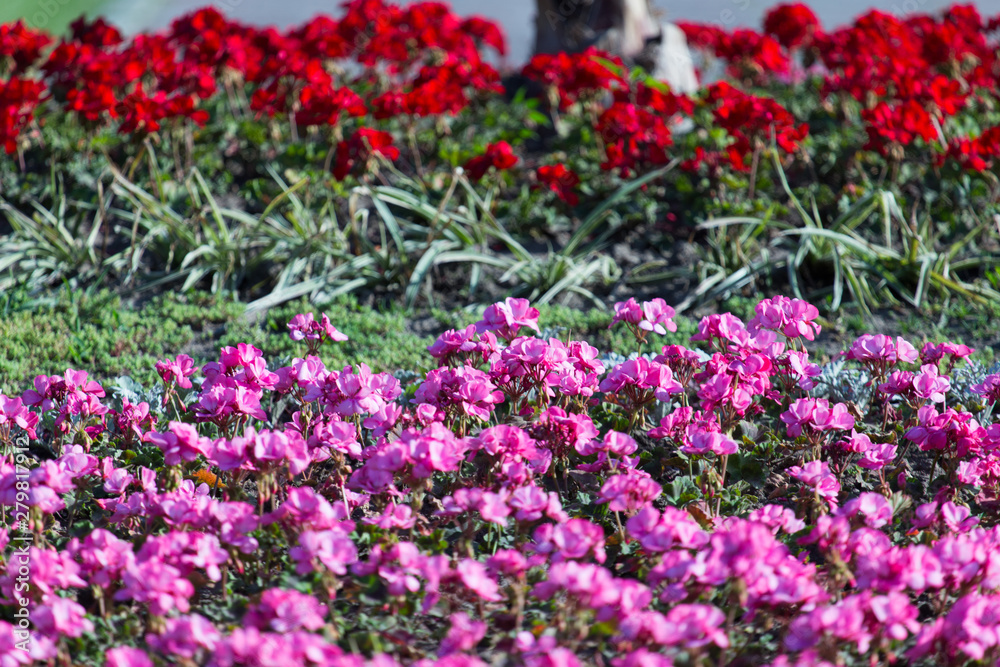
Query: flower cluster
[{"x": 516, "y": 482}]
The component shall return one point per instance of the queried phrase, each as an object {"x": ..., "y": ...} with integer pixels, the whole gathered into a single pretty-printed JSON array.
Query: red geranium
[
  {"x": 792, "y": 24},
  {"x": 18, "y": 99},
  {"x": 323, "y": 105},
  {"x": 360, "y": 148},
  {"x": 977, "y": 154},
  {"x": 560, "y": 180},
  {"x": 499, "y": 155},
  {"x": 899, "y": 124},
  {"x": 749, "y": 118},
  {"x": 573, "y": 75},
  {"x": 21, "y": 44}
]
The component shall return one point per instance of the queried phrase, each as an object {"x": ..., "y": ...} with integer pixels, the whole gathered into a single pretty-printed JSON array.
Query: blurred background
[{"x": 516, "y": 16}]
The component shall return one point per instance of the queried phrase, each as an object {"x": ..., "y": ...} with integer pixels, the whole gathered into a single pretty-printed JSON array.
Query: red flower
[
  {"x": 98, "y": 33},
  {"x": 497, "y": 155},
  {"x": 633, "y": 135},
  {"x": 573, "y": 75},
  {"x": 322, "y": 105},
  {"x": 141, "y": 113},
  {"x": 747, "y": 117},
  {"x": 793, "y": 25},
  {"x": 22, "y": 45},
  {"x": 749, "y": 52},
  {"x": 320, "y": 39},
  {"x": 360, "y": 148},
  {"x": 663, "y": 102},
  {"x": 977, "y": 154},
  {"x": 18, "y": 99},
  {"x": 702, "y": 36},
  {"x": 899, "y": 124},
  {"x": 560, "y": 180},
  {"x": 485, "y": 31}
]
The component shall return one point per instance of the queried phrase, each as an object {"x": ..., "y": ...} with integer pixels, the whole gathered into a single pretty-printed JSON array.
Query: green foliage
[
  {"x": 101, "y": 333},
  {"x": 111, "y": 338},
  {"x": 248, "y": 205}
]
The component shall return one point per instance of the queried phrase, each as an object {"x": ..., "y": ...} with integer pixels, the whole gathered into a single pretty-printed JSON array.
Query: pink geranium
[
  {"x": 792, "y": 317},
  {"x": 506, "y": 317},
  {"x": 655, "y": 316}
]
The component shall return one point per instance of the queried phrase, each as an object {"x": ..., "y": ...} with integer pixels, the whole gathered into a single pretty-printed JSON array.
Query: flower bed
[
  {"x": 513, "y": 501},
  {"x": 862, "y": 173}
]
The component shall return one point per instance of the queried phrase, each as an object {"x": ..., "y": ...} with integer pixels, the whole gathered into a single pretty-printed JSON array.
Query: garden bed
[
  {"x": 253, "y": 410},
  {"x": 392, "y": 161},
  {"x": 528, "y": 496}
]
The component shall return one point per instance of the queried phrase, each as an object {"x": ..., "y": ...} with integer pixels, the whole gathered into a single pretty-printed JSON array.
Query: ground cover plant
[
  {"x": 530, "y": 500},
  {"x": 380, "y": 151}
]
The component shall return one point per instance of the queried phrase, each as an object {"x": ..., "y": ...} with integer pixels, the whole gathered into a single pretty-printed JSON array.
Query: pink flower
[
  {"x": 463, "y": 635},
  {"x": 177, "y": 370},
  {"x": 305, "y": 327},
  {"x": 477, "y": 579},
  {"x": 452, "y": 342},
  {"x": 576, "y": 539},
  {"x": 695, "y": 625},
  {"x": 947, "y": 516},
  {"x": 299, "y": 374},
  {"x": 332, "y": 548},
  {"x": 337, "y": 436},
  {"x": 726, "y": 328},
  {"x": 304, "y": 509},
  {"x": 102, "y": 556},
  {"x": 957, "y": 518},
  {"x": 792, "y": 317},
  {"x": 875, "y": 509},
  {"x": 701, "y": 442},
  {"x": 358, "y": 391},
  {"x": 799, "y": 414},
  {"x": 629, "y": 491},
  {"x": 933, "y": 353},
  {"x": 989, "y": 388},
  {"x": 516, "y": 452},
  {"x": 877, "y": 457},
  {"x": 181, "y": 443},
  {"x": 398, "y": 517},
  {"x": 531, "y": 503},
  {"x": 61, "y": 616},
  {"x": 185, "y": 636},
  {"x": 817, "y": 475},
  {"x": 614, "y": 442},
  {"x": 653, "y": 315},
  {"x": 816, "y": 414},
  {"x": 434, "y": 449},
  {"x": 689, "y": 626},
  {"x": 662, "y": 532},
  {"x": 126, "y": 656},
  {"x": 972, "y": 626},
  {"x": 642, "y": 658},
  {"x": 641, "y": 380},
  {"x": 286, "y": 611},
  {"x": 493, "y": 508},
  {"x": 928, "y": 385},
  {"x": 507, "y": 561},
  {"x": 12, "y": 411},
  {"x": 162, "y": 586},
  {"x": 858, "y": 443},
  {"x": 506, "y": 317},
  {"x": 879, "y": 352},
  {"x": 796, "y": 365},
  {"x": 777, "y": 518},
  {"x": 563, "y": 431}
]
